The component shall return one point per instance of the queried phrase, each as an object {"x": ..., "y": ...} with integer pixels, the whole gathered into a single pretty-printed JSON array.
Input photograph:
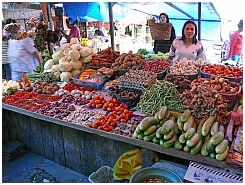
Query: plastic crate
[
  {"x": 206, "y": 75},
  {"x": 102, "y": 175},
  {"x": 94, "y": 85}
]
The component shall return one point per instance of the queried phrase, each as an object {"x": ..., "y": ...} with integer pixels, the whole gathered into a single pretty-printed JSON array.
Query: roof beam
[
  {"x": 178, "y": 9},
  {"x": 214, "y": 9}
]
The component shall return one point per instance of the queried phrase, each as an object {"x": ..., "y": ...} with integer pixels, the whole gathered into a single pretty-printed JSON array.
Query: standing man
[{"x": 236, "y": 43}]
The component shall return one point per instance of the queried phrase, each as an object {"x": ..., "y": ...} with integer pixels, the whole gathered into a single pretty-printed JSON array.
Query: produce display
[
  {"x": 137, "y": 79},
  {"x": 157, "y": 55},
  {"x": 196, "y": 115},
  {"x": 127, "y": 61},
  {"x": 186, "y": 67},
  {"x": 222, "y": 70},
  {"x": 104, "y": 58},
  {"x": 155, "y": 65}
]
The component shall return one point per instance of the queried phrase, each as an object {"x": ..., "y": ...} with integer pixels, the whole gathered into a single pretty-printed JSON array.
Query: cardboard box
[{"x": 199, "y": 173}]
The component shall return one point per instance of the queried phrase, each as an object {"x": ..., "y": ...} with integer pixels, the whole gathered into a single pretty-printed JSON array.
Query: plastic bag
[{"x": 127, "y": 164}]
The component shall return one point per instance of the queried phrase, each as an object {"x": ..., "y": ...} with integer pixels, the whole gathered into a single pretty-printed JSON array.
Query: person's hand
[{"x": 57, "y": 29}]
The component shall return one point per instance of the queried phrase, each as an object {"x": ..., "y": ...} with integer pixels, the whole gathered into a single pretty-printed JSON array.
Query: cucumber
[
  {"x": 162, "y": 141},
  {"x": 210, "y": 147},
  {"x": 135, "y": 134},
  {"x": 172, "y": 118},
  {"x": 197, "y": 147},
  {"x": 204, "y": 151},
  {"x": 162, "y": 112},
  {"x": 147, "y": 122},
  {"x": 178, "y": 145},
  {"x": 186, "y": 114},
  {"x": 161, "y": 122},
  {"x": 176, "y": 129},
  {"x": 167, "y": 126},
  {"x": 220, "y": 148},
  {"x": 193, "y": 141},
  {"x": 141, "y": 136},
  {"x": 175, "y": 114},
  {"x": 155, "y": 140},
  {"x": 180, "y": 124},
  {"x": 169, "y": 135},
  {"x": 150, "y": 130},
  {"x": 170, "y": 143},
  {"x": 138, "y": 129},
  {"x": 207, "y": 125},
  {"x": 150, "y": 137},
  {"x": 189, "y": 133},
  {"x": 223, "y": 155},
  {"x": 199, "y": 128},
  {"x": 217, "y": 138},
  {"x": 212, "y": 155},
  {"x": 168, "y": 115},
  {"x": 189, "y": 123},
  {"x": 186, "y": 148},
  {"x": 214, "y": 128},
  {"x": 156, "y": 117},
  {"x": 222, "y": 129},
  {"x": 182, "y": 138},
  {"x": 158, "y": 133}
]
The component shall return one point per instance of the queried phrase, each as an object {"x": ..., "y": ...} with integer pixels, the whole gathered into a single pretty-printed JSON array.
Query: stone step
[{"x": 12, "y": 150}]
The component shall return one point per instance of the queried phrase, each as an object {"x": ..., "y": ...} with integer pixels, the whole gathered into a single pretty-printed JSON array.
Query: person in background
[
  {"x": 187, "y": 46},
  {"x": 22, "y": 55},
  {"x": 6, "y": 71},
  {"x": 74, "y": 31},
  {"x": 225, "y": 48},
  {"x": 164, "y": 45},
  {"x": 236, "y": 43}
]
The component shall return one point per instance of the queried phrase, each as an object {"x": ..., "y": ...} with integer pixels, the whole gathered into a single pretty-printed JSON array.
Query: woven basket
[
  {"x": 160, "y": 31},
  {"x": 232, "y": 97}
]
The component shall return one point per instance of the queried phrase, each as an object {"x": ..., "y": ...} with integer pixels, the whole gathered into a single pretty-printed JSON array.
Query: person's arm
[
  {"x": 68, "y": 37},
  {"x": 173, "y": 35},
  {"x": 232, "y": 44},
  {"x": 38, "y": 56}
]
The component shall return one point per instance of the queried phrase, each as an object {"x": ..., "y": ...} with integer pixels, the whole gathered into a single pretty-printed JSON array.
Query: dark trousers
[{"x": 6, "y": 72}]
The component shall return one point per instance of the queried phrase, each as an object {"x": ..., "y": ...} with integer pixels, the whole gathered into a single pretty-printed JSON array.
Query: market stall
[{"x": 79, "y": 107}]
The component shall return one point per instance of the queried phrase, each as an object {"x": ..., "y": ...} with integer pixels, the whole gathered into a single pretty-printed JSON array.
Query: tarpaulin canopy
[{"x": 91, "y": 11}]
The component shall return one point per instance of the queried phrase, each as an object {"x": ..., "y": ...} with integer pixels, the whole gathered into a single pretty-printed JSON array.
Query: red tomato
[
  {"x": 94, "y": 125},
  {"x": 97, "y": 101},
  {"x": 98, "y": 106},
  {"x": 109, "y": 109}
]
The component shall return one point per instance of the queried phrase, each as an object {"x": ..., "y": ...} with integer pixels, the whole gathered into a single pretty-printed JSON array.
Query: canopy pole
[
  {"x": 199, "y": 20},
  {"x": 111, "y": 26}
]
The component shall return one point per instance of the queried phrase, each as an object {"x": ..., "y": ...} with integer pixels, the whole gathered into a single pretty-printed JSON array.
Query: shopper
[
  {"x": 225, "y": 48},
  {"x": 236, "y": 43},
  {"x": 98, "y": 32},
  {"x": 74, "y": 31},
  {"x": 22, "y": 55},
  {"x": 187, "y": 46},
  {"x": 164, "y": 45},
  {"x": 6, "y": 72}
]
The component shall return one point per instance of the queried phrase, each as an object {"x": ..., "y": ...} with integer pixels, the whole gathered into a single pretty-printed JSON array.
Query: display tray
[
  {"x": 160, "y": 75},
  {"x": 94, "y": 85},
  {"x": 206, "y": 75},
  {"x": 190, "y": 77}
]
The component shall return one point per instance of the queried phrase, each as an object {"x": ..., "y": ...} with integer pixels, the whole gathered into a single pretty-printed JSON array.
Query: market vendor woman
[
  {"x": 74, "y": 31},
  {"x": 187, "y": 46}
]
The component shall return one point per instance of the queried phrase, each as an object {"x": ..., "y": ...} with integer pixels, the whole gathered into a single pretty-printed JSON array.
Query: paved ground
[{"x": 31, "y": 168}]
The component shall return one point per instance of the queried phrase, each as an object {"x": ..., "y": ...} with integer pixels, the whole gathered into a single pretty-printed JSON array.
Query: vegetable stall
[{"x": 82, "y": 109}]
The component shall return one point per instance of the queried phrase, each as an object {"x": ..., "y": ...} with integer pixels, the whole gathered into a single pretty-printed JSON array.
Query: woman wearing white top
[{"x": 187, "y": 46}]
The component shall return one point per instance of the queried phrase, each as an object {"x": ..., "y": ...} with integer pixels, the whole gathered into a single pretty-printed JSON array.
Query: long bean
[{"x": 162, "y": 93}]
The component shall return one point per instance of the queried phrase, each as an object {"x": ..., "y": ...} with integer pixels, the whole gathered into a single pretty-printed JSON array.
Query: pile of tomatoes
[
  {"x": 117, "y": 113},
  {"x": 222, "y": 70}
]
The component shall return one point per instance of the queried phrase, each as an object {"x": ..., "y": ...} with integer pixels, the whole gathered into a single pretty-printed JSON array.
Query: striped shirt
[{"x": 5, "y": 59}]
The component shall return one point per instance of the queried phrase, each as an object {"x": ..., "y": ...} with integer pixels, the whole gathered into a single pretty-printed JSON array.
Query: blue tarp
[
  {"x": 90, "y": 11},
  {"x": 178, "y": 13}
]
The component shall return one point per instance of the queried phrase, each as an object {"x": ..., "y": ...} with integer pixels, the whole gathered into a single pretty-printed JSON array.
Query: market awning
[{"x": 91, "y": 11}]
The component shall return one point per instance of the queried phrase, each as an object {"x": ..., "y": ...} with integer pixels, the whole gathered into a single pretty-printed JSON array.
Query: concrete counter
[{"x": 81, "y": 148}]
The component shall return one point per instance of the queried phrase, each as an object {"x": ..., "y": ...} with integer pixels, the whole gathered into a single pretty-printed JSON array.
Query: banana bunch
[{"x": 84, "y": 41}]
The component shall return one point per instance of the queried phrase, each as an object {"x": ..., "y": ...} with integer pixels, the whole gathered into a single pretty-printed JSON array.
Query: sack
[
  {"x": 160, "y": 31},
  {"x": 127, "y": 164}
]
